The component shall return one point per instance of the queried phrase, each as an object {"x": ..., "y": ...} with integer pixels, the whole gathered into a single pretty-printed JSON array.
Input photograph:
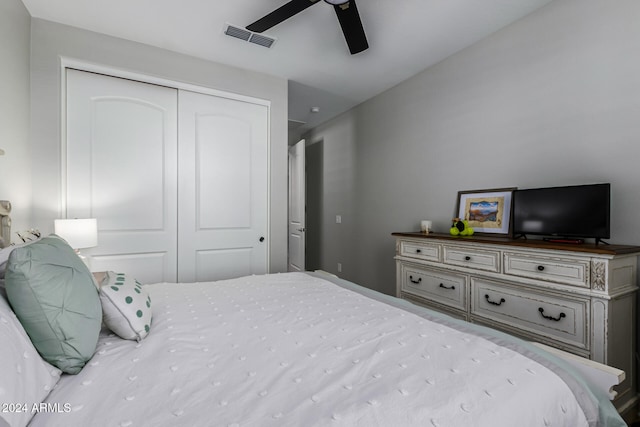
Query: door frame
[
  {"x": 81, "y": 65},
  {"x": 300, "y": 195}
]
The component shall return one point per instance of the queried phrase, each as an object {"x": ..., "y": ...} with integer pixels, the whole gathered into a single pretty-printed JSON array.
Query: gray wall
[
  {"x": 337, "y": 241},
  {"x": 553, "y": 99},
  {"x": 15, "y": 166},
  {"x": 50, "y": 41}
]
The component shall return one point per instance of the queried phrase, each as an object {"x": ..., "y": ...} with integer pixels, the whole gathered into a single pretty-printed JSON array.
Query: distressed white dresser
[{"x": 579, "y": 298}]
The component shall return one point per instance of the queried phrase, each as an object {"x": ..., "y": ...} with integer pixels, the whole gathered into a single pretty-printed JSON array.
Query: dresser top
[{"x": 528, "y": 243}]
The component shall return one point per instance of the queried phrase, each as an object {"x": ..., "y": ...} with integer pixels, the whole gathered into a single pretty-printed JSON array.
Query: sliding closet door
[
  {"x": 223, "y": 188},
  {"x": 122, "y": 169}
]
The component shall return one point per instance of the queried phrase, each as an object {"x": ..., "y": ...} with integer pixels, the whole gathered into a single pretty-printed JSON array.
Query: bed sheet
[{"x": 294, "y": 349}]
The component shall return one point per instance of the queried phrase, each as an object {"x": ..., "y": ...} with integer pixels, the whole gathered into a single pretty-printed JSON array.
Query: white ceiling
[{"x": 405, "y": 37}]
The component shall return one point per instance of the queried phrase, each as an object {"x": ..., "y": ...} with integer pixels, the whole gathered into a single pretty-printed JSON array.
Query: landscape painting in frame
[{"x": 488, "y": 211}]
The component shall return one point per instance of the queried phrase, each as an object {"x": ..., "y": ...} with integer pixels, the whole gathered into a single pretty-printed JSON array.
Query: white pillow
[
  {"x": 26, "y": 378},
  {"x": 126, "y": 306}
]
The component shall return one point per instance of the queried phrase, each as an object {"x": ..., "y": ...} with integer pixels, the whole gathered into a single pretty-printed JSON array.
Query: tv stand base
[{"x": 564, "y": 240}]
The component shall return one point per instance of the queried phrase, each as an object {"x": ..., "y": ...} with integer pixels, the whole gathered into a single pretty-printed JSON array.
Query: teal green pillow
[{"x": 52, "y": 292}]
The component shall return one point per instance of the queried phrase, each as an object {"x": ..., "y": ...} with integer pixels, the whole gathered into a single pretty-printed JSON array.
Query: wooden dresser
[{"x": 579, "y": 298}]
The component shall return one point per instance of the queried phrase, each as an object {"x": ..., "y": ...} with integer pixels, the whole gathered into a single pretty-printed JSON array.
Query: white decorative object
[
  {"x": 580, "y": 299},
  {"x": 5, "y": 223},
  {"x": 30, "y": 235},
  {"x": 426, "y": 226},
  {"x": 78, "y": 233}
]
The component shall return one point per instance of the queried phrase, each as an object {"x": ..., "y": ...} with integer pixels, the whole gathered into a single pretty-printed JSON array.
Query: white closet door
[
  {"x": 122, "y": 170},
  {"x": 223, "y": 154}
]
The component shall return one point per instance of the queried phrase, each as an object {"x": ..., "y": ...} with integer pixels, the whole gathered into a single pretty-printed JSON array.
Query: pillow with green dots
[{"x": 126, "y": 306}]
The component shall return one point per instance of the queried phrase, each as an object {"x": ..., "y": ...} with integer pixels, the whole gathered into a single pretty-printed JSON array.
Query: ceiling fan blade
[
  {"x": 280, "y": 14},
  {"x": 352, "y": 26}
]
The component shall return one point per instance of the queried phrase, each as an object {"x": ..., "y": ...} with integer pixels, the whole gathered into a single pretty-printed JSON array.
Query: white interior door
[
  {"x": 223, "y": 188},
  {"x": 122, "y": 169},
  {"x": 296, "y": 207}
]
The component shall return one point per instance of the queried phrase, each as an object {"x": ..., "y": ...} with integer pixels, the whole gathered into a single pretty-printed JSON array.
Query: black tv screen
[{"x": 574, "y": 211}]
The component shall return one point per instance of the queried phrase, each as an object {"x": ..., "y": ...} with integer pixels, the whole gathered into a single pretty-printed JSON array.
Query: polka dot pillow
[{"x": 126, "y": 306}]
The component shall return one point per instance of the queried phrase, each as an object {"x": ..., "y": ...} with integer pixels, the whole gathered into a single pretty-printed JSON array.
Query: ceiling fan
[{"x": 346, "y": 11}]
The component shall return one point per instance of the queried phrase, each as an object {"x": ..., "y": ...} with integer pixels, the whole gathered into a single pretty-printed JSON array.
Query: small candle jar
[{"x": 425, "y": 226}]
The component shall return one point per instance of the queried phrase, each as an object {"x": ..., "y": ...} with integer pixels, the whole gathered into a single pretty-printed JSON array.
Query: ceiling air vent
[
  {"x": 248, "y": 36},
  {"x": 261, "y": 40},
  {"x": 238, "y": 33}
]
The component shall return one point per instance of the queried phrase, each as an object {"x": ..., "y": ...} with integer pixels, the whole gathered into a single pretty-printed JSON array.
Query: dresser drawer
[
  {"x": 560, "y": 270},
  {"x": 420, "y": 250},
  {"x": 549, "y": 315},
  {"x": 478, "y": 259},
  {"x": 449, "y": 311},
  {"x": 436, "y": 285}
]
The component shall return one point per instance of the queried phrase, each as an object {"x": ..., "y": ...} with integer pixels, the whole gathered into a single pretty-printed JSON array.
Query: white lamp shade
[{"x": 79, "y": 233}]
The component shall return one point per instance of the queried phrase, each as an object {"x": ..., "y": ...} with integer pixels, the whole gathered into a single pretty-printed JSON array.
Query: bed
[{"x": 296, "y": 349}]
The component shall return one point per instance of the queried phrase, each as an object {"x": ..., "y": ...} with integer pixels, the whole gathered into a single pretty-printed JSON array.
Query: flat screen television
[{"x": 571, "y": 212}]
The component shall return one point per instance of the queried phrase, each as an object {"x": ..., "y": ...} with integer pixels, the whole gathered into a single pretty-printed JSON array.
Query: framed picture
[{"x": 488, "y": 211}]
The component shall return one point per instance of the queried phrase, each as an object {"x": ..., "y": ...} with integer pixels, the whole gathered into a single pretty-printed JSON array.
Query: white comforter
[{"x": 295, "y": 350}]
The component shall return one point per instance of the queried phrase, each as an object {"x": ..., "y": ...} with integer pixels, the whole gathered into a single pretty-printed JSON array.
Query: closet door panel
[
  {"x": 122, "y": 169},
  {"x": 223, "y": 172},
  {"x": 143, "y": 266},
  {"x": 223, "y": 263},
  {"x": 122, "y": 196},
  {"x": 223, "y": 188}
]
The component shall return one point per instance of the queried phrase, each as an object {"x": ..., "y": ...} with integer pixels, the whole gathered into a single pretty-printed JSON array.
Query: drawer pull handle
[
  {"x": 555, "y": 319},
  {"x": 418, "y": 251},
  {"x": 502, "y": 300},
  {"x": 467, "y": 258},
  {"x": 415, "y": 281},
  {"x": 452, "y": 287},
  {"x": 541, "y": 268}
]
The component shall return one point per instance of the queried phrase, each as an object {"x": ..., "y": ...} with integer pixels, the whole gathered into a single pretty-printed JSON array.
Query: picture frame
[{"x": 488, "y": 211}]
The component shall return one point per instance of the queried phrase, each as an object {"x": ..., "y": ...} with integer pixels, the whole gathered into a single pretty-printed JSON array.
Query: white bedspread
[{"x": 295, "y": 350}]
